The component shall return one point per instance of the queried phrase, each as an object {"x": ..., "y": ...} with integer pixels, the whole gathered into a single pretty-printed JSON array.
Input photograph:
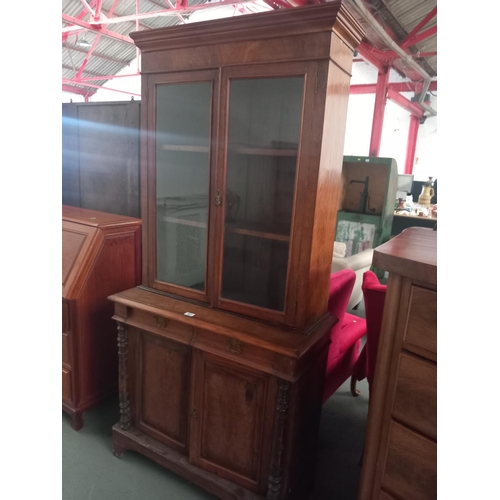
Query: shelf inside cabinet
[
  {"x": 186, "y": 222},
  {"x": 280, "y": 232},
  {"x": 185, "y": 148},
  {"x": 259, "y": 151}
]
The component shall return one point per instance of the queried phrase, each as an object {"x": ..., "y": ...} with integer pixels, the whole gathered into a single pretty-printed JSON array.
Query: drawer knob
[
  {"x": 234, "y": 346},
  {"x": 161, "y": 322}
]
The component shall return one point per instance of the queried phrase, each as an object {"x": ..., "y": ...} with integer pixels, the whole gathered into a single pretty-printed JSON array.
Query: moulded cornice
[{"x": 332, "y": 16}]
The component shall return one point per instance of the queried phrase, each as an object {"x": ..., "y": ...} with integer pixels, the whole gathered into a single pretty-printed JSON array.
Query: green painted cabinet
[{"x": 366, "y": 207}]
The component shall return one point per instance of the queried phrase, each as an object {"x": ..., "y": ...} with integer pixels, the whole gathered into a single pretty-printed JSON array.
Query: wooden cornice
[{"x": 331, "y": 16}]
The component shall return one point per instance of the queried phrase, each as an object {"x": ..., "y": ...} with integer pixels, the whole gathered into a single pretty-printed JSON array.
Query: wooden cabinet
[
  {"x": 366, "y": 206},
  {"x": 100, "y": 256},
  {"x": 401, "y": 441},
  {"x": 223, "y": 347}
]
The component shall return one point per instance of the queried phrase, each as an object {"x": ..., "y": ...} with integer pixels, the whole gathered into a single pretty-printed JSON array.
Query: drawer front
[
  {"x": 66, "y": 384},
  {"x": 165, "y": 327},
  {"x": 244, "y": 353},
  {"x": 421, "y": 328},
  {"x": 65, "y": 349},
  {"x": 415, "y": 402},
  {"x": 410, "y": 467}
]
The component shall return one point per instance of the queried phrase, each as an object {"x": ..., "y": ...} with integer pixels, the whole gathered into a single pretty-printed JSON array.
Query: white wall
[{"x": 395, "y": 128}]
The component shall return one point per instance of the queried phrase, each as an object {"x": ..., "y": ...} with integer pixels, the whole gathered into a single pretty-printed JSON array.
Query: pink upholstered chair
[
  {"x": 345, "y": 336},
  {"x": 374, "y": 298}
]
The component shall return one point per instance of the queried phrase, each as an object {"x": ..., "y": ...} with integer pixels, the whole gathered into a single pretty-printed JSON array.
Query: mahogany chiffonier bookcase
[
  {"x": 399, "y": 460},
  {"x": 101, "y": 254},
  {"x": 223, "y": 348}
]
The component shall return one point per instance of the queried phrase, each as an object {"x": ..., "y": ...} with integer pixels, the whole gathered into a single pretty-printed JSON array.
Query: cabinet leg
[
  {"x": 77, "y": 421},
  {"x": 118, "y": 451}
]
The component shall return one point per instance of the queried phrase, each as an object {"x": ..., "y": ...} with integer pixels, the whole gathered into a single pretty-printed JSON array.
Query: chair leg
[{"x": 354, "y": 391}]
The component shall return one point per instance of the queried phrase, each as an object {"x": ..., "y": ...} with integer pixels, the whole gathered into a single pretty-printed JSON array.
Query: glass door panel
[
  {"x": 263, "y": 135},
  {"x": 183, "y": 120}
]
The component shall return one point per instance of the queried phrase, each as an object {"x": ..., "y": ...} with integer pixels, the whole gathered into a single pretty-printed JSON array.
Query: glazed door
[
  {"x": 180, "y": 138},
  {"x": 161, "y": 388},
  {"x": 262, "y": 112},
  {"x": 231, "y": 421}
]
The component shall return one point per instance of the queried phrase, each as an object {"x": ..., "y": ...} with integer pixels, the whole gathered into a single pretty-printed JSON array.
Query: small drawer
[
  {"x": 65, "y": 317},
  {"x": 421, "y": 327},
  {"x": 242, "y": 352},
  {"x": 411, "y": 465},
  {"x": 159, "y": 324},
  {"x": 65, "y": 348},
  {"x": 415, "y": 402},
  {"x": 66, "y": 384}
]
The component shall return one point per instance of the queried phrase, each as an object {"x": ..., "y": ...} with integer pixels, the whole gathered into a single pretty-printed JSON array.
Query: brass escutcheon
[
  {"x": 234, "y": 346},
  {"x": 161, "y": 322}
]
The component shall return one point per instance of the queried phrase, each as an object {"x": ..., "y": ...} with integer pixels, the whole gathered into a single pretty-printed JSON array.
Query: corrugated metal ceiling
[{"x": 111, "y": 55}]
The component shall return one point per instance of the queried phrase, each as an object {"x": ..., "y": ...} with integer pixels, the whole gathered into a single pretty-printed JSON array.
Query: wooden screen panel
[
  {"x": 164, "y": 391},
  {"x": 108, "y": 157}
]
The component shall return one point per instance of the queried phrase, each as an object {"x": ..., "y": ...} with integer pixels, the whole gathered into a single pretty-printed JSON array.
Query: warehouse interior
[{"x": 392, "y": 113}]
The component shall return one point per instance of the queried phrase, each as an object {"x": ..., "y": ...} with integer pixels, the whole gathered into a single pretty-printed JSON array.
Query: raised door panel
[
  {"x": 228, "y": 420},
  {"x": 163, "y": 385}
]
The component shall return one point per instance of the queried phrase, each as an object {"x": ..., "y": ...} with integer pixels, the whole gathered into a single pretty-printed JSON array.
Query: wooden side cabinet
[
  {"x": 101, "y": 254},
  {"x": 401, "y": 442}
]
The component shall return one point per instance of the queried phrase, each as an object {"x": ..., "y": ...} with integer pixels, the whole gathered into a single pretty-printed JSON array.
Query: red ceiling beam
[
  {"x": 371, "y": 88},
  {"x": 76, "y": 90},
  {"x": 97, "y": 29},
  {"x": 97, "y": 38},
  {"x": 420, "y": 37},
  {"x": 411, "y": 145},
  {"x": 408, "y": 40},
  {"x": 406, "y": 104},
  {"x": 168, "y": 12},
  {"x": 67, "y": 80},
  {"x": 95, "y": 54},
  {"x": 372, "y": 56},
  {"x": 378, "y": 112}
]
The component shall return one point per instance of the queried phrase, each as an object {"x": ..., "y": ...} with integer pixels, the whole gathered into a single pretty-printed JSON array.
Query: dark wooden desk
[
  {"x": 401, "y": 439},
  {"x": 401, "y": 222}
]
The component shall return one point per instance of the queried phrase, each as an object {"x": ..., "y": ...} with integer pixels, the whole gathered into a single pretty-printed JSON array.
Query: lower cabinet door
[
  {"x": 162, "y": 378},
  {"x": 231, "y": 421}
]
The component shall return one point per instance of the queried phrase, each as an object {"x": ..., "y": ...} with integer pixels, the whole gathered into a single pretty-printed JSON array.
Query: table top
[{"x": 412, "y": 253}]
